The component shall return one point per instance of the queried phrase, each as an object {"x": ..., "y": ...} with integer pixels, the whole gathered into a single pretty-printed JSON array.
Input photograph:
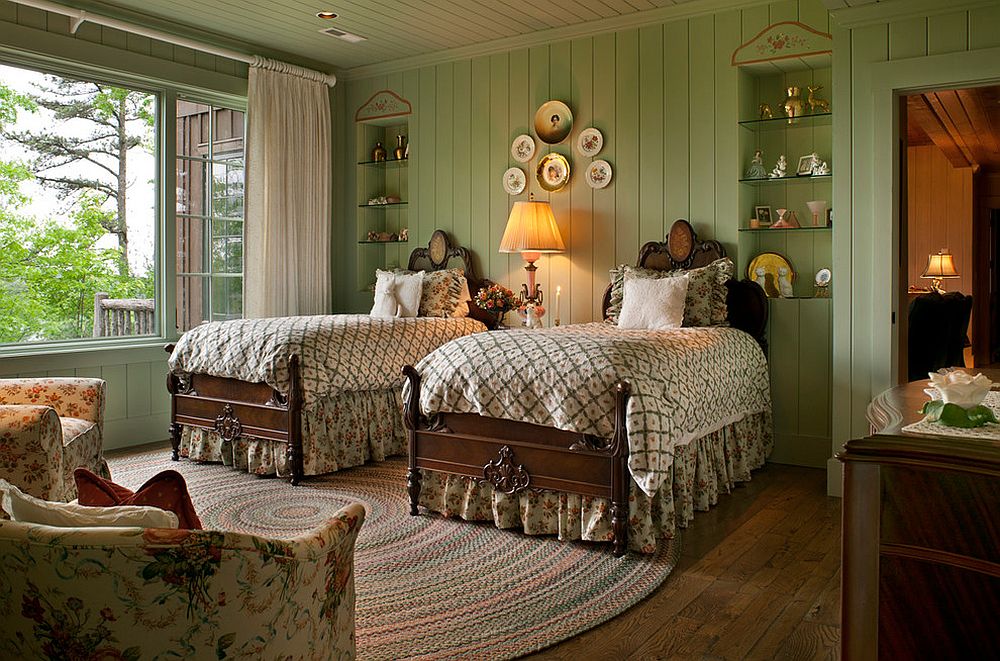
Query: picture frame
[
  {"x": 805, "y": 166},
  {"x": 763, "y": 215},
  {"x": 829, "y": 217}
]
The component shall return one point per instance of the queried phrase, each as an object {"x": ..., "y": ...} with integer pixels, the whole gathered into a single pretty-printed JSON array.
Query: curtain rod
[{"x": 78, "y": 17}]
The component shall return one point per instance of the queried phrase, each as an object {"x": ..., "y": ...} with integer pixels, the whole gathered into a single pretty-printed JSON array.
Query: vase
[
  {"x": 379, "y": 153},
  {"x": 818, "y": 209},
  {"x": 400, "y": 150}
]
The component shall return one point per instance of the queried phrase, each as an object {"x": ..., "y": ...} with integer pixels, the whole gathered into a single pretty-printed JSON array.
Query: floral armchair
[
  {"x": 48, "y": 427},
  {"x": 131, "y": 593}
]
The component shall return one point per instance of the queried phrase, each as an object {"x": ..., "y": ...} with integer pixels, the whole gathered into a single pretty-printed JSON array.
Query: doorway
[{"x": 950, "y": 193}]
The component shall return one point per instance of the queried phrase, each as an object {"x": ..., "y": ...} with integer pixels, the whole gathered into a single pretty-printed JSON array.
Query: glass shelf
[
  {"x": 811, "y": 228},
  {"x": 784, "y": 180},
  {"x": 380, "y": 206},
  {"x": 388, "y": 163},
  {"x": 384, "y": 242},
  {"x": 780, "y": 123}
]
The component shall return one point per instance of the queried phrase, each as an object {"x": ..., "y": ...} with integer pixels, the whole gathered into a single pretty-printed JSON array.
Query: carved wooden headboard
[
  {"x": 441, "y": 254},
  {"x": 746, "y": 301}
]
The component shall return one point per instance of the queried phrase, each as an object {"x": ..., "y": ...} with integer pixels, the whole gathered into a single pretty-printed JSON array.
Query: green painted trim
[
  {"x": 135, "y": 430},
  {"x": 79, "y": 357},
  {"x": 887, "y": 11},
  {"x": 547, "y": 37}
]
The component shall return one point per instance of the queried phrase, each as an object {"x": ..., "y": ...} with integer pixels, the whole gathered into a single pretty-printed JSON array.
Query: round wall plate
[
  {"x": 590, "y": 142},
  {"x": 552, "y": 172},
  {"x": 770, "y": 262},
  {"x": 599, "y": 174},
  {"x": 523, "y": 148},
  {"x": 553, "y": 122},
  {"x": 514, "y": 181}
]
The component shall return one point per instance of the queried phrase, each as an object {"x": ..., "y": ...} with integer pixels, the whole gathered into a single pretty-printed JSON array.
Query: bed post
[
  {"x": 174, "y": 429},
  {"x": 411, "y": 418},
  {"x": 295, "y": 458},
  {"x": 620, "y": 478}
]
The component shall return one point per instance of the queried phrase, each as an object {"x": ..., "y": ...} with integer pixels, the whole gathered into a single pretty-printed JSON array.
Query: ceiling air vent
[{"x": 346, "y": 36}]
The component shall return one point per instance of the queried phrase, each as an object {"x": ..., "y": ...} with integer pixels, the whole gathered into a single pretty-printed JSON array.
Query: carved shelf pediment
[
  {"x": 785, "y": 46},
  {"x": 384, "y": 104}
]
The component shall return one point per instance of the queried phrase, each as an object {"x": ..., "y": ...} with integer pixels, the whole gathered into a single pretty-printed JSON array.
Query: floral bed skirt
[
  {"x": 338, "y": 432},
  {"x": 701, "y": 470}
]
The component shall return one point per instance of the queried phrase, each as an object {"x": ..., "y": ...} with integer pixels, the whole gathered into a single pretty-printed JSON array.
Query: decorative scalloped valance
[
  {"x": 781, "y": 41},
  {"x": 381, "y": 105}
]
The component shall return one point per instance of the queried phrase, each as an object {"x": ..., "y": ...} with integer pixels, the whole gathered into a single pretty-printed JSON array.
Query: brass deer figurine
[{"x": 816, "y": 102}]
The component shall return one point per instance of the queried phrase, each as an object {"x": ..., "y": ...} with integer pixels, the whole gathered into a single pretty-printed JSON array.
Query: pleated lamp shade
[
  {"x": 531, "y": 228},
  {"x": 941, "y": 265}
]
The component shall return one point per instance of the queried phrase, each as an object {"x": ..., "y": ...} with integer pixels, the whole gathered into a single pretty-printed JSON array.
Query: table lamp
[
  {"x": 940, "y": 266},
  {"x": 531, "y": 230}
]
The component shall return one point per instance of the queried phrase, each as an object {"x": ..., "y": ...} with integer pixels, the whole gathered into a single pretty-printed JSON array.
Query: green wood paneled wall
[
  {"x": 861, "y": 365},
  {"x": 137, "y": 406}
]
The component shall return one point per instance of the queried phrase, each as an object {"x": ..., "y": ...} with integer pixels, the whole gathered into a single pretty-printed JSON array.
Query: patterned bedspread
[
  {"x": 337, "y": 353},
  {"x": 686, "y": 383}
]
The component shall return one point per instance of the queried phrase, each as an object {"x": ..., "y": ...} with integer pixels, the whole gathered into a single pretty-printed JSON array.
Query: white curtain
[{"x": 288, "y": 214}]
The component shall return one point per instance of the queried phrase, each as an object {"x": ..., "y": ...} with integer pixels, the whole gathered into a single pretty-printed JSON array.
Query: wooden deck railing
[{"x": 114, "y": 317}]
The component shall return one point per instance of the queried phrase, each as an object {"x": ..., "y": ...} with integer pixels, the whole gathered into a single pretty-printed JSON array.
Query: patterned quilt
[
  {"x": 686, "y": 383},
  {"x": 337, "y": 353}
]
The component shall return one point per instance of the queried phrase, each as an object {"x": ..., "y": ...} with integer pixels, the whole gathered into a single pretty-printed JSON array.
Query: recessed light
[{"x": 327, "y": 15}]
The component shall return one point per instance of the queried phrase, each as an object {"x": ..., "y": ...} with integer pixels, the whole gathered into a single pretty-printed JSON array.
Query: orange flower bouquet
[{"x": 497, "y": 299}]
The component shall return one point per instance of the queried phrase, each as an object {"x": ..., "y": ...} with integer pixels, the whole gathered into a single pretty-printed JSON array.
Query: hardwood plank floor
[{"x": 758, "y": 578}]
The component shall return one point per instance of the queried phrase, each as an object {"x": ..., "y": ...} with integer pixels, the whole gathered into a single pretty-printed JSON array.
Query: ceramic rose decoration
[{"x": 957, "y": 399}]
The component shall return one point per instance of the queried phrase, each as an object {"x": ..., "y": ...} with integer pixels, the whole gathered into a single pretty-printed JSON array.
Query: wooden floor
[{"x": 759, "y": 578}]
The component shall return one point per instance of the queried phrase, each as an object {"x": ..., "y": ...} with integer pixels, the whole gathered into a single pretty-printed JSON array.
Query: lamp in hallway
[
  {"x": 940, "y": 266},
  {"x": 531, "y": 230}
]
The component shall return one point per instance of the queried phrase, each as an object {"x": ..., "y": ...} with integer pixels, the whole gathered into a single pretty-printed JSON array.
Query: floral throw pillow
[
  {"x": 441, "y": 293},
  {"x": 705, "y": 303}
]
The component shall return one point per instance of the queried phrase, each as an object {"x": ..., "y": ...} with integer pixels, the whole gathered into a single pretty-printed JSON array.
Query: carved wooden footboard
[
  {"x": 515, "y": 456},
  {"x": 234, "y": 408}
]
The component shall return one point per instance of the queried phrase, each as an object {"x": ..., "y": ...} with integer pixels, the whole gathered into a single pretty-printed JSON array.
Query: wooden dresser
[{"x": 921, "y": 539}]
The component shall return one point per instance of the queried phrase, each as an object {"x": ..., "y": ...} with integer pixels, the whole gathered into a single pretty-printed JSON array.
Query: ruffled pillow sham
[{"x": 705, "y": 301}]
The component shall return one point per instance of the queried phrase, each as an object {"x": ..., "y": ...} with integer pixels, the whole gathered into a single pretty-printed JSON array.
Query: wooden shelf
[
  {"x": 382, "y": 206},
  {"x": 786, "y": 180}
]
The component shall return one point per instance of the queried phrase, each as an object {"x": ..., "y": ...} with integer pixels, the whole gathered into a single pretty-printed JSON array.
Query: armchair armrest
[
  {"x": 32, "y": 435},
  {"x": 70, "y": 397}
]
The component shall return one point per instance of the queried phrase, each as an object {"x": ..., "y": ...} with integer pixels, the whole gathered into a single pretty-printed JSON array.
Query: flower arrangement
[
  {"x": 956, "y": 400},
  {"x": 496, "y": 299}
]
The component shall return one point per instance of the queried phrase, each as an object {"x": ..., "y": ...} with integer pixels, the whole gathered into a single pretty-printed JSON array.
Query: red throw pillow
[{"x": 166, "y": 490}]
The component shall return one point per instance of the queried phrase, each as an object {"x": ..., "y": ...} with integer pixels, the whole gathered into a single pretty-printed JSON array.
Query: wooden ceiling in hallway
[
  {"x": 394, "y": 29},
  {"x": 964, "y": 124}
]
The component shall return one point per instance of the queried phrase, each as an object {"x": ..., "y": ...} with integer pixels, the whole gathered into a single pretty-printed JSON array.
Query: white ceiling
[{"x": 395, "y": 29}]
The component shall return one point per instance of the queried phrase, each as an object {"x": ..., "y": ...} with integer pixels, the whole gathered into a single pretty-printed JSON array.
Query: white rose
[{"x": 959, "y": 388}]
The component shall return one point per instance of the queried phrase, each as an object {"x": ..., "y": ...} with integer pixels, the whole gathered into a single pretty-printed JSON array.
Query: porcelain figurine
[
  {"x": 816, "y": 102},
  {"x": 820, "y": 167},
  {"x": 793, "y": 105},
  {"x": 766, "y": 112},
  {"x": 756, "y": 169},
  {"x": 760, "y": 277},
  {"x": 779, "y": 168},
  {"x": 784, "y": 284}
]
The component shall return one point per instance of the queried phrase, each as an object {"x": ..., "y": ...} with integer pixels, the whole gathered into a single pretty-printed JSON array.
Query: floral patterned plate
[
  {"x": 514, "y": 181},
  {"x": 599, "y": 174},
  {"x": 590, "y": 142},
  {"x": 552, "y": 172},
  {"x": 523, "y": 148}
]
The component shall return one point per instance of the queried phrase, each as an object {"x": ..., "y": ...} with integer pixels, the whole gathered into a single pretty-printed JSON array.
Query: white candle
[{"x": 558, "y": 294}]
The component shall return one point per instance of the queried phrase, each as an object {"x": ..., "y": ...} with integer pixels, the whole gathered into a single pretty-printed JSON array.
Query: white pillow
[
  {"x": 462, "y": 307},
  {"x": 385, "y": 304},
  {"x": 28, "y": 509},
  {"x": 409, "y": 288},
  {"x": 653, "y": 303}
]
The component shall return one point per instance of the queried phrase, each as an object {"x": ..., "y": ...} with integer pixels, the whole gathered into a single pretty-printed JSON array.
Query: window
[
  {"x": 78, "y": 216},
  {"x": 210, "y": 173}
]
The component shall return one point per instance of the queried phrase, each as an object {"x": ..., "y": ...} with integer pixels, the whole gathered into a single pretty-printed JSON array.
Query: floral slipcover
[
  {"x": 701, "y": 470},
  {"x": 49, "y": 427},
  {"x": 133, "y": 593}
]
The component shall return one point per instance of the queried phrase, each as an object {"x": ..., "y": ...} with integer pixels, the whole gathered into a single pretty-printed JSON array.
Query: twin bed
[{"x": 586, "y": 431}]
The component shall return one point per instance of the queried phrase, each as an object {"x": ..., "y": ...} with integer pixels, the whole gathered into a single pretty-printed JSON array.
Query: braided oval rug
[{"x": 427, "y": 587}]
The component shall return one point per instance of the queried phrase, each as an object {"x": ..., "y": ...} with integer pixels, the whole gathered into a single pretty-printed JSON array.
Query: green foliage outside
[{"x": 51, "y": 268}]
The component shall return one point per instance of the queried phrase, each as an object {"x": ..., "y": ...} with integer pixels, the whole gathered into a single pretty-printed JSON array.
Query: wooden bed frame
[
  {"x": 514, "y": 456},
  {"x": 235, "y": 408}
]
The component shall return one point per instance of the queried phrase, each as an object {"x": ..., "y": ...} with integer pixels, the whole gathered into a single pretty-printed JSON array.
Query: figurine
[
  {"x": 793, "y": 104},
  {"x": 404, "y": 234},
  {"x": 819, "y": 167},
  {"x": 779, "y": 168},
  {"x": 786, "y": 219},
  {"x": 766, "y": 112},
  {"x": 761, "y": 277},
  {"x": 379, "y": 153},
  {"x": 815, "y": 101},
  {"x": 756, "y": 169},
  {"x": 784, "y": 284}
]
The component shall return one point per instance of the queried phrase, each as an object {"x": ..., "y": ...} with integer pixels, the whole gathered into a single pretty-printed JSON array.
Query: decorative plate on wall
[
  {"x": 590, "y": 142},
  {"x": 523, "y": 148},
  {"x": 765, "y": 270},
  {"x": 552, "y": 172},
  {"x": 599, "y": 174},
  {"x": 553, "y": 122},
  {"x": 514, "y": 181}
]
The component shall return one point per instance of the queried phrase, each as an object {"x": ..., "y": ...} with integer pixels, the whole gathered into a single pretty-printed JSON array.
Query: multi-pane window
[
  {"x": 78, "y": 214},
  {"x": 210, "y": 200}
]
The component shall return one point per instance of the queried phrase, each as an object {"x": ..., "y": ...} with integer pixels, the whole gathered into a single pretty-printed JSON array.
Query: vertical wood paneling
[
  {"x": 560, "y": 87},
  {"x": 727, "y": 167},
  {"x": 138, "y": 393},
  {"x": 984, "y": 27},
  {"x": 498, "y": 156},
  {"x": 444, "y": 132},
  {"x": 651, "y": 153},
  {"x": 676, "y": 136},
  {"x": 947, "y": 33},
  {"x": 701, "y": 124},
  {"x": 462, "y": 154},
  {"x": 605, "y": 65},
  {"x": 908, "y": 38},
  {"x": 583, "y": 282},
  {"x": 480, "y": 169},
  {"x": 627, "y": 146}
]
